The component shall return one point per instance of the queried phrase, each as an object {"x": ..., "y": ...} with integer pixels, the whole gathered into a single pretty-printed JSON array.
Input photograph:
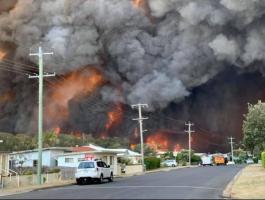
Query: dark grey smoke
[{"x": 156, "y": 58}]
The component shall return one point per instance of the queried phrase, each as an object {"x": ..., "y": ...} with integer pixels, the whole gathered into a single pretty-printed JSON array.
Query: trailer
[{"x": 219, "y": 160}]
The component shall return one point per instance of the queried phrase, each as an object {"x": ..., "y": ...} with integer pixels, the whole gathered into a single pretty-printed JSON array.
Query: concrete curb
[
  {"x": 25, "y": 190},
  {"x": 228, "y": 189}
]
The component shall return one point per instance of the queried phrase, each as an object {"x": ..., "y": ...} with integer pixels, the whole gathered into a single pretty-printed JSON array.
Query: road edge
[
  {"x": 227, "y": 191},
  {"x": 43, "y": 187}
]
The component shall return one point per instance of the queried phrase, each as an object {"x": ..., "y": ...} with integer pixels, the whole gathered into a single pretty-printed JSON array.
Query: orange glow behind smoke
[
  {"x": 76, "y": 84},
  {"x": 114, "y": 118},
  {"x": 133, "y": 146},
  {"x": 158, "y": 141},
  {"x": 57, "y": 131},
  {"x": 138, "y": 3},
  {"x": 2, "y": 55},
  {"x": 177, "y": 148},
  {"x": 8, "y": 96}
]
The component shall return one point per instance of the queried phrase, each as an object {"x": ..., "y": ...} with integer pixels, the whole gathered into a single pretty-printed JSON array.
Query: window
[
  {"x": 104, "y": 164},
  {"x": 100, "y": 164},
  {"x": 85, "y": 165},
  {"x": 69, "y": 160},
  {"x": 35, "y": 163},
  {"x": 80, "y": 159}
]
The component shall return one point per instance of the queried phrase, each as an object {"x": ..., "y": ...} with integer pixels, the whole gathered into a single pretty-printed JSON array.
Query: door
[{"x": 106, "y": 170}]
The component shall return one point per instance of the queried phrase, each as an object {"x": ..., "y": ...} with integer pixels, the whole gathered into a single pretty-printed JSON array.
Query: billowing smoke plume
[{"x": 157, "y": 51}]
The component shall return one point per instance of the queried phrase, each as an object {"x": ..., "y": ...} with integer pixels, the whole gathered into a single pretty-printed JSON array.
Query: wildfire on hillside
[
  {"x": 158, "y": 141},
  {"x": 74, "y": 85},
  {"x": 114, "y": 118}
]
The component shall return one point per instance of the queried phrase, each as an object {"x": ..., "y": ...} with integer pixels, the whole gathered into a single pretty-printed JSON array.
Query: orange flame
[
  {"x": 137, "y": 3},
  {"x": 133, "y": 146},
  {"x": 2, "y": 55},
  {"x": 57, "y": 131},
  {"x": 177, "y": 148},
  {"x": 158, "y": 141},
  {"x": 114, "y": 117},
  {"x": 73, "y": 85}
]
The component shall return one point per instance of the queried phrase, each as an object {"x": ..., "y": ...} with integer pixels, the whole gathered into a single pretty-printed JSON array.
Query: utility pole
[
  {"x": 140, "y": 121},
  {"x": 189, "y": 131},
  {"x": 232, "y": 149},
  {"x": 40, "y": 54}
]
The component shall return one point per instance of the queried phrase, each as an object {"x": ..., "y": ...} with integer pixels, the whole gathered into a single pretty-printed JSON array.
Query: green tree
[
  {"x": 168, "y": 155},
  {"x": 254, "y": 128},
  {"x": 50, "y": 139}
]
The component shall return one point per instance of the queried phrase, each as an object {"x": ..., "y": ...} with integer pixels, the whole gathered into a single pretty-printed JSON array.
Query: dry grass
[{"x": 250, "y": 184}]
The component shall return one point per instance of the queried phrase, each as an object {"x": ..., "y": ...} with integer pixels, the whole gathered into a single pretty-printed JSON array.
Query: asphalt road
[{"x": 188, "y": 183}]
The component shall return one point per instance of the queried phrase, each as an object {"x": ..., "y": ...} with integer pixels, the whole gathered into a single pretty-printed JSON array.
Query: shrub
[
  {"x": 152, "y": 163},
  {"x": 263, "y": 159},
  {"x": 195, "y": 159}
]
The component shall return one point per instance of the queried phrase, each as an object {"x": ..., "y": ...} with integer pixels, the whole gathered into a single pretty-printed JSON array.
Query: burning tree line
[{"x": 20, "y": 142}]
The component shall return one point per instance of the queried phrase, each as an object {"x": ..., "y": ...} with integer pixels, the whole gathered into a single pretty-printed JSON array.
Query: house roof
[
  {"x": 121, "y": 152},
  {"x": 44, "y": 149},
  {"x": 91, "y": 148}
]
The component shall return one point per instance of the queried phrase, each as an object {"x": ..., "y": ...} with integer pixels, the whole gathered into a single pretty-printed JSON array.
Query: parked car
[
  {"x": 230, "y": 163},
  {"x": 88, "y": 171},
  {"x": 169, "y": 163},
  {"x": 249, "y": 161}
]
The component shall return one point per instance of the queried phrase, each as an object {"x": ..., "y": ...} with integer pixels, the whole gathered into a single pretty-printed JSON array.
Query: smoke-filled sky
[{"x": 157, "y": 51}]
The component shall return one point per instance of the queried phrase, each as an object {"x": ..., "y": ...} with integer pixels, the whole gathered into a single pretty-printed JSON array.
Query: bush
[
  {"x": 152, "y": 163},
  {"x": 195, "y": 160},
  {"x": 263, "y": 159}
]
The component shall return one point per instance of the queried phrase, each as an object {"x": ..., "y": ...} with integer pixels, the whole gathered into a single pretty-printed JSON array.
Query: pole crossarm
[{"x": 46, "y": 75}]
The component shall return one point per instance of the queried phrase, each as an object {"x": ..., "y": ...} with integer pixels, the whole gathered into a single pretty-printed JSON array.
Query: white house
[
  {"x": 29, "y": 158},
  {"x": 91, "y": 152}
]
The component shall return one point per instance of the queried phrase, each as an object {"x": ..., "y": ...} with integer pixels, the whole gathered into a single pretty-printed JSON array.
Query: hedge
[
  {"x": 152, "y": 163},
  {"x": 263, "y": 159}
]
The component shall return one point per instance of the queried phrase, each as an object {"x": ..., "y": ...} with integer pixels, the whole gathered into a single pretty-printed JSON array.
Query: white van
[
  {"x": 88, "y": 171},
  {"x": 207, "y": 160}
]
